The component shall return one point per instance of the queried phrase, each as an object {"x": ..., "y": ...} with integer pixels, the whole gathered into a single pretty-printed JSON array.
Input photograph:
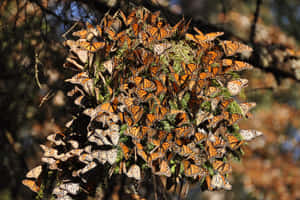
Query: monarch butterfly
[
  {"x": 202, "y": 116},
  {"x": 49, "y": 152},
  {"x": 143, "y": 95},
  {"x": 189, "y": 68},
  {"x": 56, "y": 138},
  {"x": 184, "y": 131},
  {"x": 219, "y": 182},
  {"x": 154, "y": 70},
  {"x": 234, "y": 87},
  {"x": 144, "y": 14},
  {"x": 211, "y": 151},
  {"x": 245, "y": 107},
  {"x": 107, "y": 21},
  {"x": 125, "y": 118},
  {"x": 130, "y": 19},
  {"x": 143, "y": 83},
  {"x": 182, "y": 118},
  {"x": 175, "y": 28},
  {"x": 210, "y": 57},
  {"x": 79, "y": 78},
  {"x": 221, "y": 167},
  {"x": 85, "y": 158},
  {"x": 128, "y": 120},
  {"x": 136, "y": 28},
  {"x": 199, "y": 137},
  {"x": 215, "y": 70},
  {"x": 109, "y": 156},
  {"x": 166, "y": 145},
  {"x": 35, "y": 172},
  {"x": 204, "y": 75},
  {"x": 183, "y": 27},
  {"x": 232, "y": 47},
  {"x": 218, "y": 142},
  {"x": 159, "y": 32},
  {"x": 201, "y": 38},
  {"x": 183, "y": 150},
  {"x": 248, "y": 135},
  {"x": 233, "y": 142},
  {"x": 161, "y": 48},
  {"x": 150, "y": 119},
  {"x": 197, "y": 158},
  {"x": 155, "y": 155},
  {"x": 161, "y": 136},
  {"x": 89, "y": 33},
  {"x": 154, "y": 16},
  {"x": 134, "y": 172},
  {"x": 211, "y": 91},
  {"x": 235, "y": 65},
  {"x": 79, "y": 101},
  {"x": 160, "y": 88},
  {"x": 232, "y": 118},
  {"x": 31, "y": 184},
  {"x": 134, "y": 132},
  {"x": 141, "y": 152},
  {"x": 113, "y": 134},
  {"x": 136, "y": 113},
  {"x": 208, "y": 36},
  {"x": 105, "y": 107},
  {"x": 192, "y": 170},
  {"x": 225, "y": 103},
  {"x": 91, "y": 46},
  {"x": 215, "y": 120},
  {"x": 128, "y": 101},
  {"x": 115, "y": 36},
  {"x": 164, "y": 169},
  {"x": 124, "y": 38},
  {"x": 159, "y": 110}
]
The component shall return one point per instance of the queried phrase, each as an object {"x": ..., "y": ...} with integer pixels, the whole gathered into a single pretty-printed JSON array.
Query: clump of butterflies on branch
[{"x": 152, "y": 99}]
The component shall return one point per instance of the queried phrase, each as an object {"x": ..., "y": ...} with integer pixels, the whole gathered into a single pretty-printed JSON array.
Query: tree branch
[{"x": 253, "y": 26}]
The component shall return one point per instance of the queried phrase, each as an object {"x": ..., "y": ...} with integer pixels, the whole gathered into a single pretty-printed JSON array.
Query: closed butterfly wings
[{"x": 32, "y": 179}]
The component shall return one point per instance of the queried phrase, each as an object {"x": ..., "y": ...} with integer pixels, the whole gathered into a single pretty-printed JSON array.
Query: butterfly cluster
[{"x": 155, "y": 99}]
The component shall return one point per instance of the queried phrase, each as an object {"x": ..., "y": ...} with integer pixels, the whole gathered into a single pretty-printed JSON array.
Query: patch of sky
[
  {"x": 298, "y": 13},
  {"x": 291, "y": 144}
]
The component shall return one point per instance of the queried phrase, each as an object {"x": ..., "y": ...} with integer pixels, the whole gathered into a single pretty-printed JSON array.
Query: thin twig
[
  {"x": 37, "y": 61},
  {"x": 49, "y": 95},
  {"x": 70, "y": 29},
  {"x": 253, "y": 26}
]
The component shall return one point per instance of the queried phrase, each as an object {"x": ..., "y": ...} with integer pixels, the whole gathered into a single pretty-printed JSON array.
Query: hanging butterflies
[{"x": 150, "y": 99}]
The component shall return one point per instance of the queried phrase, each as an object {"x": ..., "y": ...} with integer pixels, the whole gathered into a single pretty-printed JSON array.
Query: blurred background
[{"x": 32, "y": 91}]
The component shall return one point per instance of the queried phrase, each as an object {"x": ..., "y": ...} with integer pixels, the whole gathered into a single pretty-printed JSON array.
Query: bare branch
[{"x": 253, "y": 26}]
